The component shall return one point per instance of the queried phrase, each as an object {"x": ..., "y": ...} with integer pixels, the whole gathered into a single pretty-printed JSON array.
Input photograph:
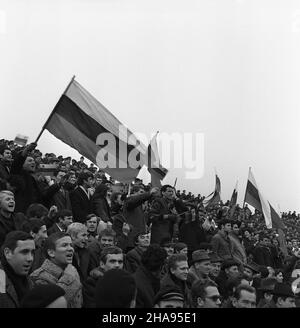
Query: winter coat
[{"x": 49, "y": 272}]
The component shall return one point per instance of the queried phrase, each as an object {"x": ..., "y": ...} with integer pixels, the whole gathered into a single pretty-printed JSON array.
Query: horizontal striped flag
[
  {"x": 21, "y": 140},
  {"x": 254, "y": 197},
  {"x": 157, "y": 171},
  {"x": 83, "y": 123}
]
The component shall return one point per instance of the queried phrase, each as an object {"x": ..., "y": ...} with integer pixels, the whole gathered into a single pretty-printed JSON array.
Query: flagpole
[
  {"x": 175, "y": 183},
  {"x": 43, "y": 128}
]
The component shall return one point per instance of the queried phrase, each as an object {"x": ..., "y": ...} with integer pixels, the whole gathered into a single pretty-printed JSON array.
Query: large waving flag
[
  {"x": 83, "y": 123},
  {"x": 254, "y": 197},
  {"x": 216, "y": 195},
  {"x": 157, "y": 171}
]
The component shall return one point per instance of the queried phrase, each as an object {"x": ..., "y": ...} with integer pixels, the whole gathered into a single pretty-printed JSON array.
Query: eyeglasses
[{"x": 215, "y": 298}]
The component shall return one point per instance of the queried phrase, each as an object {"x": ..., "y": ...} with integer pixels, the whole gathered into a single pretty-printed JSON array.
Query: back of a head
[
  {"x": 36, "y": 210},
  {"x": 116, "y": 289},
  {"x": 41, "y": 296},
  {"x": 154, "y": 257}
]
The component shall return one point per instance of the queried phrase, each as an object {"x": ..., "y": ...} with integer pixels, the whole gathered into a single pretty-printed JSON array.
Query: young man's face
[
  {"x": 181, "y": 271},
  {"x": 8, "y": 203},
  {"x": 63, "y": 253},
  {"x": 227, "y": 227},
  {"x": 232, "y": 271},
  {"x": 7, "y": 156},
  {"x": 106, "y": 241},
  {"x": 81, "y": 239},
  {"x": 113, "y": 261},
  {"x": 66, "y": 221},
  {"x": 235, "y": 229},
  {"x": 144, "y": 240},
  {"x": 91, "y": 224},
  {"x": 215, "y": 268},
  {"x": 246, "y": 300},
  {"x": 203, "y": 267},
  {"x": 212, "y": 299},
  {"x": 29, "y": 164},
  {"x": 249, "y": 273},
  {"x": 40, "y": 236},
  {"x": 168, "y": 193},
  {"x": 22, "y": 257}
]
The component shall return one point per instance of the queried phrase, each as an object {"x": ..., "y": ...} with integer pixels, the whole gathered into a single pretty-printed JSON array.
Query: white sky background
[{"x": 227, "y": 68}]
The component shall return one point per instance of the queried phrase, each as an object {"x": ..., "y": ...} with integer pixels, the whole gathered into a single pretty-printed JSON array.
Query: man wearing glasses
[{"x": 205, "y": 294}]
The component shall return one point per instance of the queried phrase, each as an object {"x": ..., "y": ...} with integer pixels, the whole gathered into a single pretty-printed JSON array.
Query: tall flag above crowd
[
  {"x": 156, "y": 170},
  {"x": 80, "y": 121},
  {"x": 254, "y": 197},
  {"x": 215, "y": 195},
  {"x": 233, "y": 200}
]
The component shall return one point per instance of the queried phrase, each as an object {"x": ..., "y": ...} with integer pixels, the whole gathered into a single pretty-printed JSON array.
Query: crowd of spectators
[{"x": 72, "y": 237}]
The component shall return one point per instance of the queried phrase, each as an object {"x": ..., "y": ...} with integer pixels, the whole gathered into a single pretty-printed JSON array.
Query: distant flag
[
  {"x": 254, "y": 197},
  {"x": 21, "y": 140},
  {"x": 216, "y": 195},
  {"x": 80, "y": 121},
  {"x": 157, "y": 171},
  {"x": 233, "y": 200}
]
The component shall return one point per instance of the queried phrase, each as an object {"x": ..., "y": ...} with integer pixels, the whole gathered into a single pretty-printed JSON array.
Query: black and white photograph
[{"x": 149, "y": 157}]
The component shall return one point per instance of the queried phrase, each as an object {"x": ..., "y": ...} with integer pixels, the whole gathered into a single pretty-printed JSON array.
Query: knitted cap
[{"x": 41, "y": 296}]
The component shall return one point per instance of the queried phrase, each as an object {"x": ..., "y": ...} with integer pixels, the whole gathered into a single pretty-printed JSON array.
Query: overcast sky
[{"x": 229, "y": 69}]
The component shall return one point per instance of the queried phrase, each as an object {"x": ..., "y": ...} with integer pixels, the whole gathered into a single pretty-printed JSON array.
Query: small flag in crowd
[
  {"x": 233, "y": 200},
  {"x": 157, "y": 171},
  {"x": 83, "y": 123},
  {"x": 21, "y": 140},
  {"x": 254, "y": 197},
  {"x": 216, "y": 195}
]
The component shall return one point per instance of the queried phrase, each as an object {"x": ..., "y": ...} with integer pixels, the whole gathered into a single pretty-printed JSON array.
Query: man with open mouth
[{"x": 58, "y": 268}]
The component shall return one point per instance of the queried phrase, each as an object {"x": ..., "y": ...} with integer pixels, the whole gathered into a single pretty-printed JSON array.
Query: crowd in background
[{"x": 72, "y": 237}]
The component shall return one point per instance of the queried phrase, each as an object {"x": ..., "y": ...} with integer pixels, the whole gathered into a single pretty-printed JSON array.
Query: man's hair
[
  {"x": 50, "y": 242},
  {"x": 109, "y": 250},
  {"x": 107, "y": 233},
  {"x": 12, "y": 238},
  {"x": 61, "y": 214},
  {"x": 74, "y": 229},
  {"x": 36, "y": 210},
  {"x": 174, "y": 259},
  {"x": 199, "y": 289},
  {"x": 165, "y": 187},
  {"x": 89, "y": 216},
  {"x": 3, "y": 148},
  {"x": 238, "y": 223},
  {"x": 33, "y": 225},
  {"x": 223, "y": 222},
  {"x": 84, "y": 176},
  {"x": 240, "y": 288},
  {"x": 4, "y": 193},
  {"x": 154, "y": 257}
]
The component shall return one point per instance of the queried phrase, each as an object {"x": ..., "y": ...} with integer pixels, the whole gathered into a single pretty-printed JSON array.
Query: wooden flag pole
[
  {"x": 175, "y": 183},
  {"x": 53, "y": 111}
]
